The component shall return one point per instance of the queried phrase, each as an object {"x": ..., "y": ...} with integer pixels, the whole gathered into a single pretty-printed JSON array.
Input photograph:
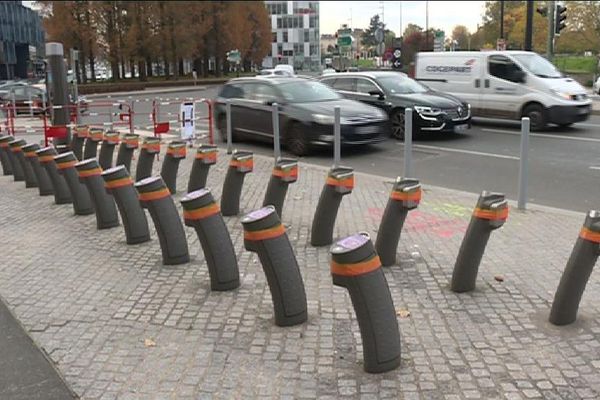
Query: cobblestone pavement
[{"x": 118, "y": 324}]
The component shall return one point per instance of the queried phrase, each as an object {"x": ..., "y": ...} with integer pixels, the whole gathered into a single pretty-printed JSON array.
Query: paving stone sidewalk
[{"x": 119, "y": 325}]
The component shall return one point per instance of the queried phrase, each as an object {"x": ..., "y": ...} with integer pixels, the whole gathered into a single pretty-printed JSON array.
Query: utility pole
[
  {"x": 529, "y": 26},
  {"x": 501, "y": 19},
  {"x": 426, "y": 25},
  {"x": 550, "y": 45}
]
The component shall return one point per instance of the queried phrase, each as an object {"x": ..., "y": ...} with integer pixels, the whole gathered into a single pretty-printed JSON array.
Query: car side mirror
[
  {"x": 377, "y": 93},
  {"x": 519, "y": 76}
]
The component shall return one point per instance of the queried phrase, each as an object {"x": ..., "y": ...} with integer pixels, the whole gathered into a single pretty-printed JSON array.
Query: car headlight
[
  {"x": 428, "y": 111},
  {"x": 562, "y": 95},
  {"x": 323, "y": 119}
]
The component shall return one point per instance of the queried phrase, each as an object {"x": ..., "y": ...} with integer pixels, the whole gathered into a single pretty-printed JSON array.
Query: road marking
[
  {"x": 544, "y": 135},
  {"x": 590, "y": 125},
  {"x": 595, "y": 167},
  {"x": 463, "y": 151}
]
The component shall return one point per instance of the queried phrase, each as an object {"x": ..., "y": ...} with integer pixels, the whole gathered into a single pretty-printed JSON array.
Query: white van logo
[{"x": 466, "y": 69}]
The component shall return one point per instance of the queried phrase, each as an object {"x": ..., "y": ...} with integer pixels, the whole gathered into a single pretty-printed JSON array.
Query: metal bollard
[
  {"x": 202, "y": 213},
  {"x": 206, "y": 155},
  {"x": 41, "y": 176},
  {"x": 155, "y": 196},
  {"x": 16, "y": 146},
  {"x": 340, "y": 181},
  {"x": 106, "y": 212},
  {"x": 107, "y": 149},
  {"x": 577, "y": 272},
  {"x": 265, "y": 235},
  {"x": 80, "y": 134},
  {"x": 150, "y": 148},
  {"x": 62, "y": 194},
  {"x": 4, "y": 155},
  {"x": 17, "y": 168},
  {"x": 405, "y": 196},
  {"x": 356, "y": 267},
  {"x": 284, "y": 173},
  {"x": 119, "y": 184},
  {"x": 490, "y": 213},
  {"x": 175, "y": 153},
  {"x": 129, "y": 143},
  {"x": 82, "y": 203},
  {"x": 90, "y": 149},
  {"x": 241, "y": 163}
]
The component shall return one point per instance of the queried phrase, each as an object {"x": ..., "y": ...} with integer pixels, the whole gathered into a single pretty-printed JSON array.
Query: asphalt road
[{"x": 564, "y": 164}]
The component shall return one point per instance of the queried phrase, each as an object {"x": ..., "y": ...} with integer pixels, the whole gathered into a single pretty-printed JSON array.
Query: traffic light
[{"x": 559, "y": 19}]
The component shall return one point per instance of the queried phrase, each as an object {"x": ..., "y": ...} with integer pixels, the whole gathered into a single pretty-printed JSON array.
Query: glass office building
[
  {"x": 21, "y": 41},
  {"x": 295, "y": 35}
]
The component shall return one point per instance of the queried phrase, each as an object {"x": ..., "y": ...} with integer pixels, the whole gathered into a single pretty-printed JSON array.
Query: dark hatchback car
[
  {"x": 394, "y": 92},
  {"x": 306, "y": 113}
]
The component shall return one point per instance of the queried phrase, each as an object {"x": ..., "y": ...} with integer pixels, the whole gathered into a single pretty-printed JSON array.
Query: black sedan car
[
  {"x": 394, "y": 92},
  {"x": 306, "y": 115}
]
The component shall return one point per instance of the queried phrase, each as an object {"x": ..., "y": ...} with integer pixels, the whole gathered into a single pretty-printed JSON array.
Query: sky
[{"x": 442, "y": 14}]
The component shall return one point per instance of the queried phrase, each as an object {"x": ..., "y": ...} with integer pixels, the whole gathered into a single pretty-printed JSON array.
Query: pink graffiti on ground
[{"x": 419, "y": 221}]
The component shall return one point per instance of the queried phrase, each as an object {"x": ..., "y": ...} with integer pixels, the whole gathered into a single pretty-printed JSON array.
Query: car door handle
[
  {"x": 503, "y": 89},
  {"x": 477, "y": 83},
  {"x": 487, "y": 83}
]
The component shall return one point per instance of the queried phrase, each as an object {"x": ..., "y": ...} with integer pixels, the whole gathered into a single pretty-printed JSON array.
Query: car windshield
[
  {"x": 304, "y": 92},
  {"x": 538, "y": 65},
  {"x": 402, "y": 85}
]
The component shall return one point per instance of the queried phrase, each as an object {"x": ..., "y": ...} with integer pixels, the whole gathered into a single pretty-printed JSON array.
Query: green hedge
[{"x": 576, "y": 64}]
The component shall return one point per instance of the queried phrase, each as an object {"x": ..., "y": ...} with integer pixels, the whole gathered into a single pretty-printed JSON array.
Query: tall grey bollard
[
  {"x": 490, "y": 213},
  {"x": 265, "y": 235},
  {"x": 155, "y": 196},
  {"x": 340, "y": 181},
  {"x": 80, "y": 134},
  {"x": 106, "y": 212},
  {"x": 128, "y": 145},
  {"x": 202, "y": 213},
  {"x": 82, "y": 203},
  {"x": 356, "y": 267},
  {"x": 242, "y": 162},
  {"x": 58, "y": 87},
  {"x": 175, "y": 153},
  {"x": 120, "y": 185},
  {"x": 90, "y": 149},
  {"x": 577, "y": 272},
  {"x": 41, "y": 176},
  {"x": 284, "y": 173},
  {"x": 206, "y": 155},
  {"x": 150, "y": 148},
  {"x": 405, "y": 196},
  {"x": 62, "y": 194},
  {"x": 4, "y": 156},
  {"x": 107, "y": 149},
  {"x": 16, "y": 147}
]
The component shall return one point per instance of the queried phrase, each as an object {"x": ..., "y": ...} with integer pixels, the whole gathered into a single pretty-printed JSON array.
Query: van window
[
  {"x": 346, "y": 84},
  {"x": 503, "y": 68}
]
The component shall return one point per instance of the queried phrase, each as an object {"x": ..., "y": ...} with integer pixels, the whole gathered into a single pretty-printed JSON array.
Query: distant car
[
  {"x": 287, "y": 68},
  {"x": 306, "y": 113},
  {"x": 597, "y": 86},
  {"x": 23, "y": 94},
  {"x": 393, "y": 92},
  {"x": 265, "y": 73},
  {"x": 328, "y": 71}
]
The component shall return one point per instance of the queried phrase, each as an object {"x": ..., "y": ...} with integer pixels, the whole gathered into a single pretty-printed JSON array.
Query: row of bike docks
[
  {"x": 180, "y": 117},
  {"x": 81, "y": 175}
]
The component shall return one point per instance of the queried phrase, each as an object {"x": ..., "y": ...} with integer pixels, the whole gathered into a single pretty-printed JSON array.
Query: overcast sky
[{"x": 442, "y": 14}]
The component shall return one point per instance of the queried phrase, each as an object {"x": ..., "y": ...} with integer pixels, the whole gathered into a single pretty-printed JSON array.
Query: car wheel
[
  {"x": 397, "y": 123},
  {"x": 536, "y": 115},
  {"x": 296, "y": 142}
]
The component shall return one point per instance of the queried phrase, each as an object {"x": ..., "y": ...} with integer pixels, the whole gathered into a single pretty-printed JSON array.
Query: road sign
[
  {"x": 188, "y": 125},
  {"x": 344, "y": 41},
  {"x": 234, "y": 56},
  {"x": 397, "y": 64},
  {"x": 438, "y": 41},
  {"x": 501, "y": 44},
  {"x": 379, "y": 35},
  {"x": 397, "y": 53}
]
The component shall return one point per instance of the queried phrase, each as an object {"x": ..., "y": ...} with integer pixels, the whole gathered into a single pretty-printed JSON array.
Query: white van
[{"x": 506, "y": 84}]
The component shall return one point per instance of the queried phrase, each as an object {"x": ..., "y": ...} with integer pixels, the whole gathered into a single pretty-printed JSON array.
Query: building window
[
  {"x": 285, "y": 37},
  {"x": 312, "y": 21},
  {"x": 274, "y": 37},
  {"x": 278, "y": 23},
  {"x": 306, "y": 36}
]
